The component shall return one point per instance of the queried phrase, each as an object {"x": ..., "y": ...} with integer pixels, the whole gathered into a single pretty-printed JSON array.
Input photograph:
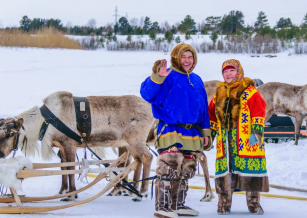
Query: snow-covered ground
[{"x": 29, "y": 75}]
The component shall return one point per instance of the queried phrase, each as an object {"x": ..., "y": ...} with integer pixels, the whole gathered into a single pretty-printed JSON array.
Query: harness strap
[
  {"x": 131, "y": 188},
  {"x": 83, "y": 116},
  {"x": 50, "y": 118}
]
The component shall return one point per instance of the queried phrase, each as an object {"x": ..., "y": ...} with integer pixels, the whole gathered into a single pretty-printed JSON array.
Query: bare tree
[
  {"x": 133, "y": 21},
  {"x": 69, "y": 25},
  {"x": 141, "y": 24},
  {"x": 108, "y": 28},
  {"x": 176, "y": 24},
  {"x": 165, "y": 25},
  {"x": 91, "y": 23}
]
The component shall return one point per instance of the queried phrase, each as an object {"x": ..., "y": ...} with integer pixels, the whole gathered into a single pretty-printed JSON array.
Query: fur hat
[
  {"x": 236, "y": 64},
  {"x": 177, "y": 53}
]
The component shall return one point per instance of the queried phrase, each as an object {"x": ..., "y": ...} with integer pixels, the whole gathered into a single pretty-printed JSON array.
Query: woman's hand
[{"x": 162, "y": 71}]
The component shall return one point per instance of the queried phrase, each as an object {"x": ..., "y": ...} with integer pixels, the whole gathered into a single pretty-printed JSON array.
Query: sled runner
[{"x": 28, "y": 173}]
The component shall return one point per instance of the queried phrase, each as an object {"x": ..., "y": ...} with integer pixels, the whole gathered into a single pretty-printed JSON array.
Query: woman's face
[
  {"x": 229, "y": 74},
  {"x": 187, "y": 60}
]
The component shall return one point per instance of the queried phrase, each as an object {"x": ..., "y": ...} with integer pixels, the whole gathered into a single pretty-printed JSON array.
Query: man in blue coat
[{"x": 179, "y": 101}]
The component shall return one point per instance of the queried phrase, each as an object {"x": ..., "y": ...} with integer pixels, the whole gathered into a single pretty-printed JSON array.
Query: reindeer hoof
[
  {"x": 76, "y": 196},
  {"x": 125, "y": 193},
  {"x": 137, "y": 199},
  {"x": 66, "y": 199},
  {"x": 207, "y": 198},
  {"x": 109, "y": 194}
]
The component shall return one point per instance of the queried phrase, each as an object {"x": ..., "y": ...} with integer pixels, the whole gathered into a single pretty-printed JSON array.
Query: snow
[{"x": 29, "y": 75}]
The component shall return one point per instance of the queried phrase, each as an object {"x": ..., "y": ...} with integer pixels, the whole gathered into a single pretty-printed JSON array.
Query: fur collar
[{"x": 228, "y": 101}]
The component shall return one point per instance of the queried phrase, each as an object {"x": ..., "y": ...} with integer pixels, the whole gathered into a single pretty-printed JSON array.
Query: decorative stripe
[
  {"x": 193, "y": 156},
  {"x": 213, "y": 125},
  {"x": 155, "y": 81},
  {"x": 258, "y": 120},
  {"x": 257, "y": 127},
  {"x": 179, "y": 134}
]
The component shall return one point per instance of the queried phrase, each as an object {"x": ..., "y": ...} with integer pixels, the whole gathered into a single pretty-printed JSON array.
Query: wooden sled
[{"x": 27, "y": 173}]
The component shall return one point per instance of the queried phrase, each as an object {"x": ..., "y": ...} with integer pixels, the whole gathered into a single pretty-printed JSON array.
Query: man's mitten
[{"x": 156, "y": 67}]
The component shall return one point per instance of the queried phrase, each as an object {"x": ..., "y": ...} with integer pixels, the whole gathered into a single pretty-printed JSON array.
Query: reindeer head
[{"x": 9, "y": 134}]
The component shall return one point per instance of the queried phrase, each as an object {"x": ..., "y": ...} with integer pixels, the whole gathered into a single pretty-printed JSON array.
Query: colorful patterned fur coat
[{"x": 236, "y": 111}]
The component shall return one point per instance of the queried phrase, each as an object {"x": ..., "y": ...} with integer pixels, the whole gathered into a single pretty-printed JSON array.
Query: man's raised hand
[{"x": 162, "y": 71}]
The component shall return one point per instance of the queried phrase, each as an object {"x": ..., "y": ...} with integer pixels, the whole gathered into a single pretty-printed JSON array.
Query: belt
[{"x": 189, "y": 126}]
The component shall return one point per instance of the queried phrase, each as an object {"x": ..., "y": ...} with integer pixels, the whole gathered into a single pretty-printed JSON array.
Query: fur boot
[
  {"x": 163, "y": 200},
  {"x": 225, "y": 201},
  {"x": 253, "y": 202},
  {"x": 180, "y": 188},
  {"x": 179, "y": 192},
  {"x": 169, "y": 167}
]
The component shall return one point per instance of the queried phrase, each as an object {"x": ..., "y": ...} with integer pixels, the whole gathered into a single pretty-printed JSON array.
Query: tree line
[{"x": 230, "y": 24}]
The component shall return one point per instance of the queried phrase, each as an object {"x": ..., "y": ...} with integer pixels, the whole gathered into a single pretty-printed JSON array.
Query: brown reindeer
[
  {"x": 116, "y": 121},
  {"x": 285, "y": 99}
]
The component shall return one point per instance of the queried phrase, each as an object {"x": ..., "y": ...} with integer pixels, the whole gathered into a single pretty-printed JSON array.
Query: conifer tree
[
  {"x": 25, "y": 23},
  {"x": 147, "y": 25},
  {"x": 177, "y": 39},
  {"x": 155, "y": 26},
  {"x": 212, "y": 24},
  {"x": 262, "y": 21},
  {"x": 188, "y": 24},
  {"x": 116, "y": 28},
  {"x": 123, "y": 26},
  {"x": 152, "y": 35},
  {"x": 168, "y": 36},
  {"x": 283, "y": 22},
  {"x": 233, "y": 22},
  {"x": 304, "y": 25}
]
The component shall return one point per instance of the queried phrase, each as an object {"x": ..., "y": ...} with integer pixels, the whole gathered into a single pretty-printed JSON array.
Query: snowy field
[{"x": 29, "y": 75}]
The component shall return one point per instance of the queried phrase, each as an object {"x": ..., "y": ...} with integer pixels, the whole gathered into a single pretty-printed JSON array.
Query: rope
[{"x": 239, "y": 193}]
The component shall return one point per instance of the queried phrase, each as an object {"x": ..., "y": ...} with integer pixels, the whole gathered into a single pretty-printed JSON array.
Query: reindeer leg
[
  {"x": 203, "y": 162},
  {"x": 70, "y": 150},
  {"x": 64, "y": 186},
  {"x": 146, "y": 160},
  {"x": 298, "y": 125},
  {"x": 141, "y": 153},
  {"x": 121, "y": 191},
  {"x": 268, "y": 115}
]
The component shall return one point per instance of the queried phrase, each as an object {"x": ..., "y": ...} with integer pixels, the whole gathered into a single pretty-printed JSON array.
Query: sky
[{"x": 79, "y": 12}]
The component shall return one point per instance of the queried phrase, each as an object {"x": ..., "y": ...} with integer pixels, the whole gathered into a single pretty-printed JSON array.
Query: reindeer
[
  {"x": 116, "y": 121},
  {"x": 285, "y": 99},
  {"x": 121, "y": 122}
]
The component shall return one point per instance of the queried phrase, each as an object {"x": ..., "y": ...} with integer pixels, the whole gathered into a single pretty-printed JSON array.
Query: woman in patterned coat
[{"x": 237, "y": 114}]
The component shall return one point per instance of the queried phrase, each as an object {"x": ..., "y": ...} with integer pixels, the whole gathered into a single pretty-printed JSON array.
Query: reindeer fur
[
  {"x": 285, "y": 99},
  {"x": 116, "y": 121}
]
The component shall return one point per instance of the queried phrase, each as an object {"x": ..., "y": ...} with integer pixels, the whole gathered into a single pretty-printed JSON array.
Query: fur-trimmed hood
[
  {"x": 228, "y": 101},
  {"x": 176, "y": 56}
]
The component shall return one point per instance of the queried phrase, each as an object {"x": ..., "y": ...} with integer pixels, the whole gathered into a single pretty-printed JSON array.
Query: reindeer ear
[{"x": 19, "y": 123}]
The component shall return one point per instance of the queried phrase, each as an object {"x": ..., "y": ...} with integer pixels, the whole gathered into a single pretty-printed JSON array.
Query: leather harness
[{"x": 83, "y": 118}]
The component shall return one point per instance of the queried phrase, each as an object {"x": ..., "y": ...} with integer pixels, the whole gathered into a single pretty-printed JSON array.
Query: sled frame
[{"x": 29, "y": 209}]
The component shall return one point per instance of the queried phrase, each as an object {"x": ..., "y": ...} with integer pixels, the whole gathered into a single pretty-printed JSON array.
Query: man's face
[
  {"x": 187, "y": 60},
  {"x": 229, "y": 74}
]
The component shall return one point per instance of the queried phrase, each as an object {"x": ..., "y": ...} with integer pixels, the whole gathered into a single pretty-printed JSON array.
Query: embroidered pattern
[{"x": 240, "y": 162}]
